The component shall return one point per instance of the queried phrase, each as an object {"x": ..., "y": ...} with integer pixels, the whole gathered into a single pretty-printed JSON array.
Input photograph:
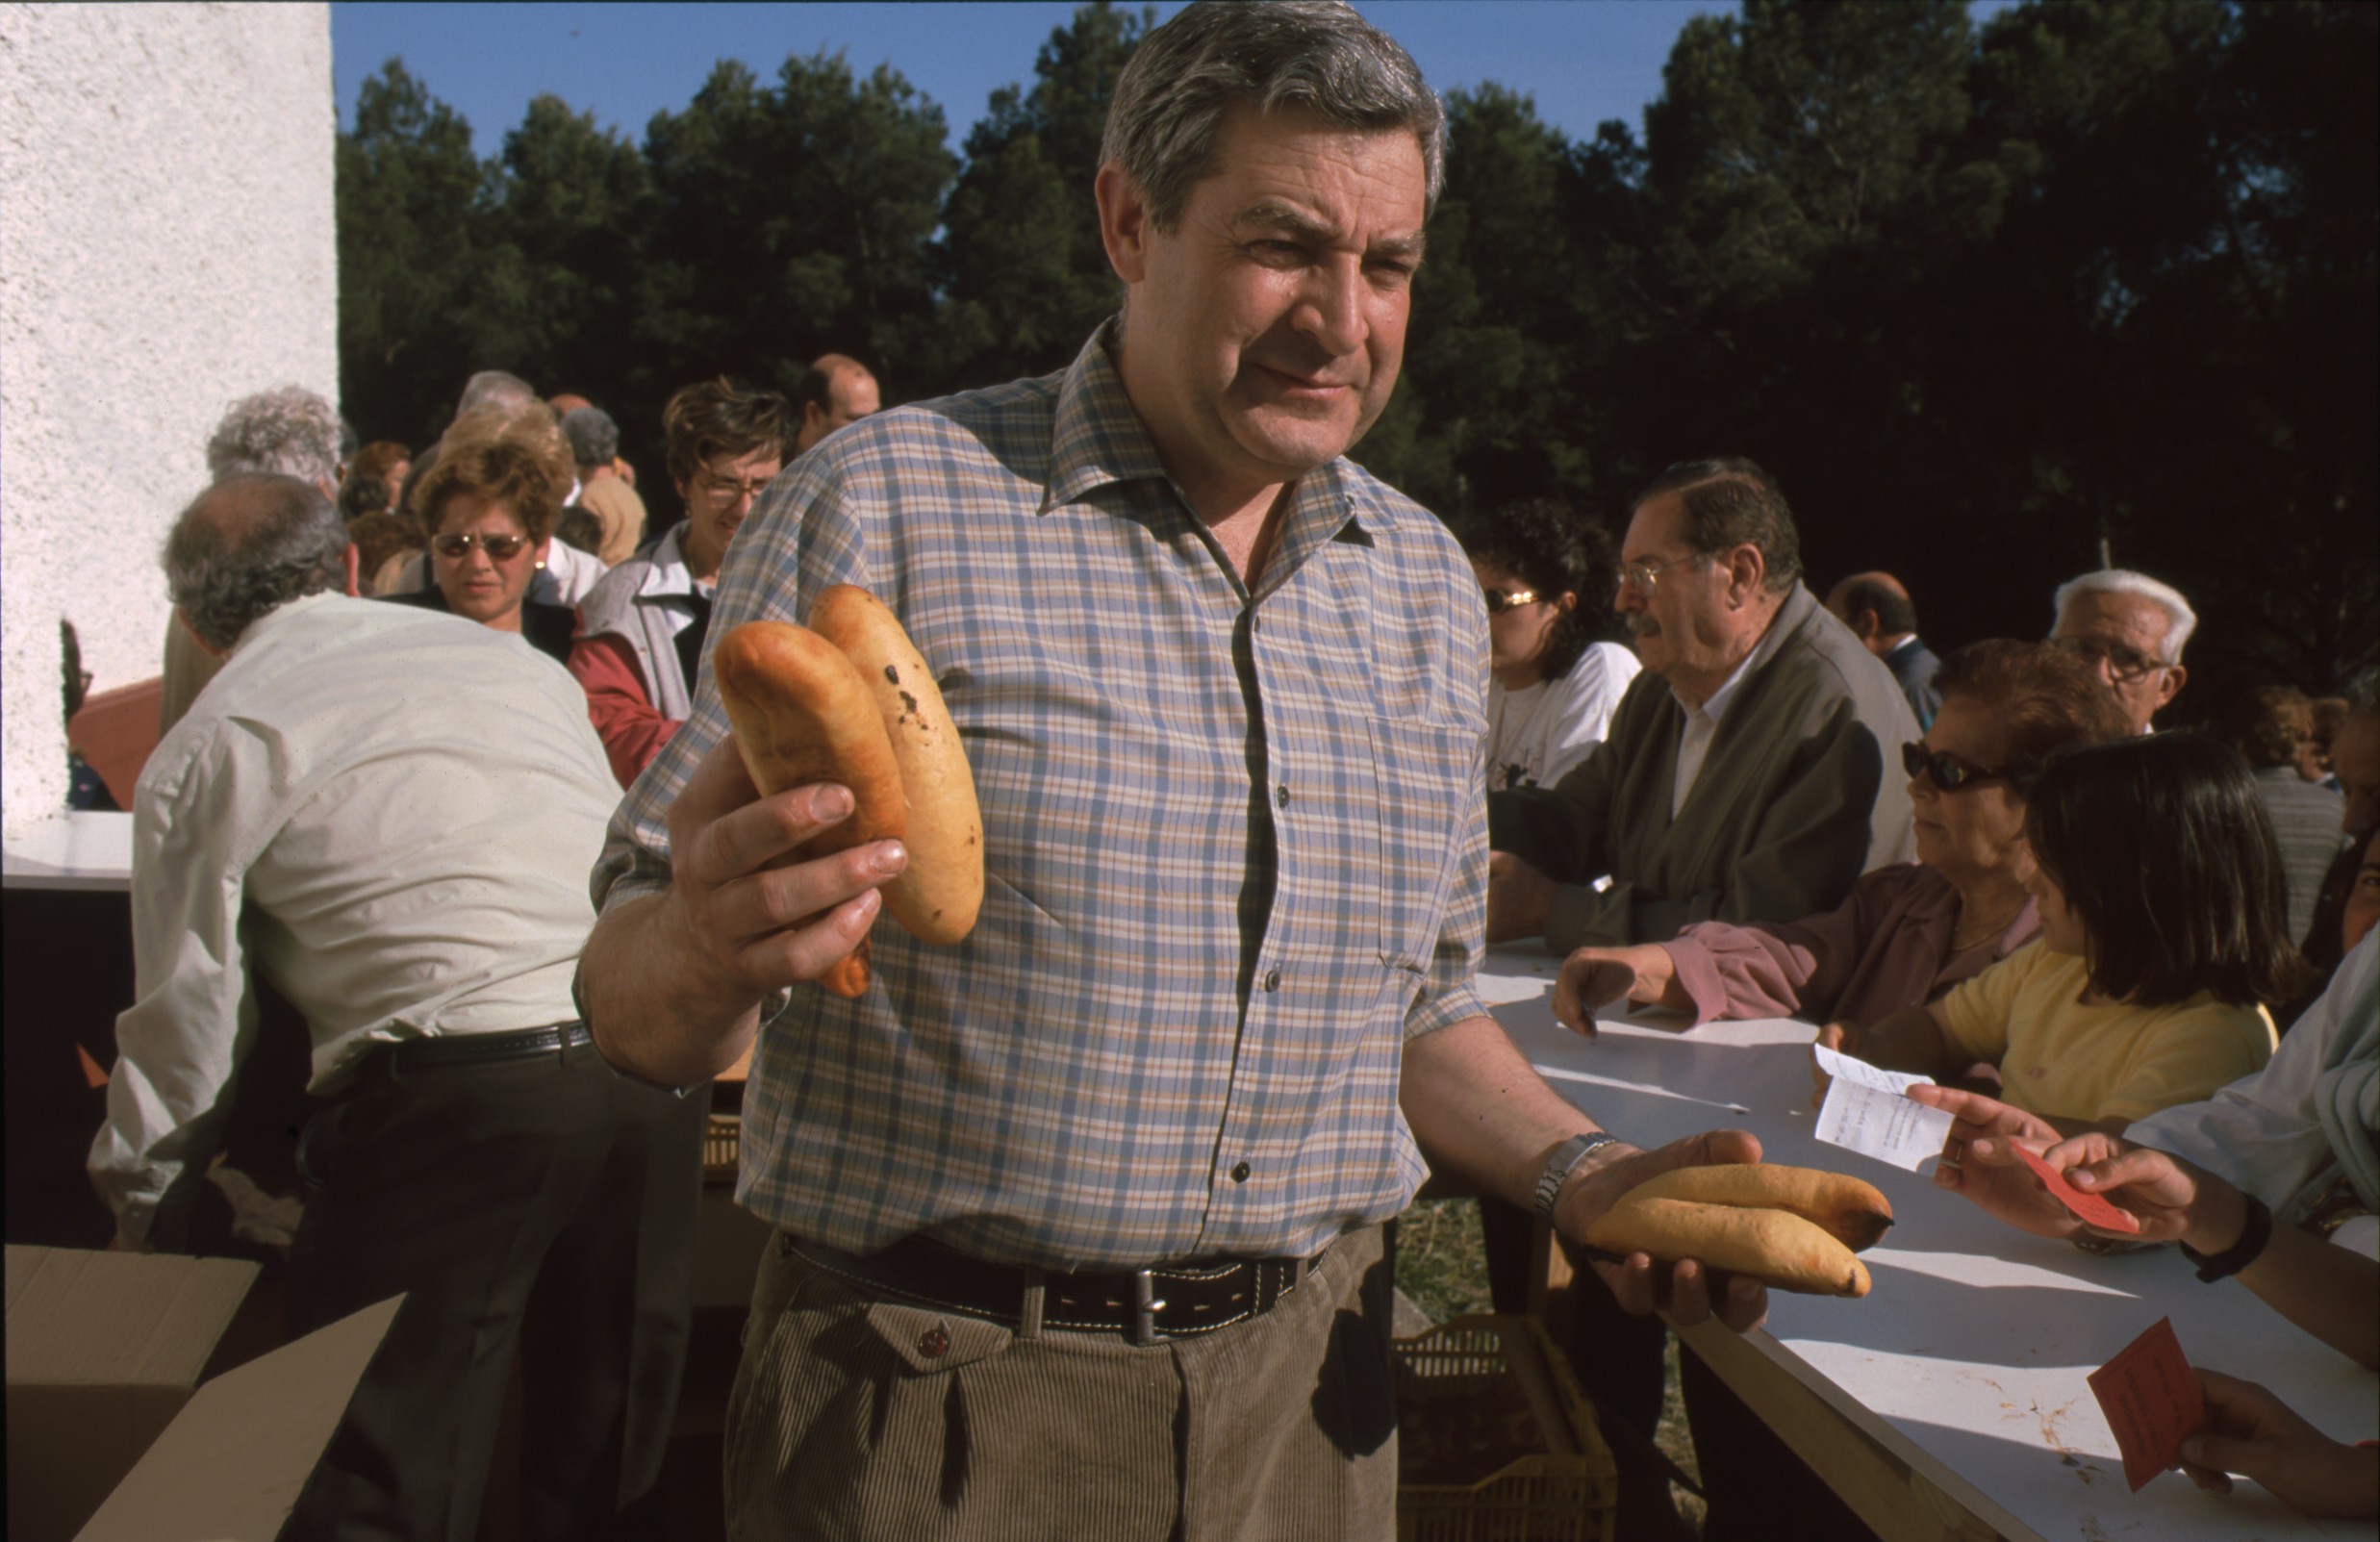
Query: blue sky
[{"x": 1582, "y": 61}]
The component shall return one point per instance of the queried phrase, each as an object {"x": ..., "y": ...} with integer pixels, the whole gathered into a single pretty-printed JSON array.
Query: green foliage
[
  {"x": 2099, "y": 275},
  {"x": 1024, "y": 276}
]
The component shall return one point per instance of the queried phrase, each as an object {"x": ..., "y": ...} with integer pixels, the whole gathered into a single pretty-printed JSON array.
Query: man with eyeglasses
[
  {"x": 2132, "y": 627},
  {"x": 643, "y": 626},
  {"x": 1747, "y": 775}
]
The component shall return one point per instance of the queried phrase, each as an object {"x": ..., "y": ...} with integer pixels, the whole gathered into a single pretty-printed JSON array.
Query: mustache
[{"x": 1640, "y": 625}]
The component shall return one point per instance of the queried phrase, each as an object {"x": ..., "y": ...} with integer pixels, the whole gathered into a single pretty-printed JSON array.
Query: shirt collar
[
  {"x": 275, "y": 618},
  {"x": 667, "y": 573},
  {"x": 1097, "y": 438},
  {"x": 1790, "y": 615}
]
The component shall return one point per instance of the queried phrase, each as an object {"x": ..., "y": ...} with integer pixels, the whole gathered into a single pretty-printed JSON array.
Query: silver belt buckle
[{"x": 1145, "y": 1307}]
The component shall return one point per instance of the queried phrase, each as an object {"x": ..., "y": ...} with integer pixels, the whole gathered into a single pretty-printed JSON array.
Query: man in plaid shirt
[{"x": 1078, "y": 1222}]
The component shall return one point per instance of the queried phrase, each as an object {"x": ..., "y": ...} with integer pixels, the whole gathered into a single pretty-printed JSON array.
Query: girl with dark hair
[
  {"x": 2164, "y": 926},
  {"x": 1547, "y": 574}
]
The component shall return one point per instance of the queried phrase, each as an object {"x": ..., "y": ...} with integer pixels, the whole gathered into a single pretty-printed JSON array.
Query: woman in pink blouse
[{"x": 1908, "y": 933}]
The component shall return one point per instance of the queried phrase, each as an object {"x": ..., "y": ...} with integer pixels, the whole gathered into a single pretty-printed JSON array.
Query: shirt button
[
  {"x": 934, "y": 1344},
  {"x": 1239, "y": 1174},
  {"x": 1272, "y": 980},
  {"x": 1281, "y": 796}
]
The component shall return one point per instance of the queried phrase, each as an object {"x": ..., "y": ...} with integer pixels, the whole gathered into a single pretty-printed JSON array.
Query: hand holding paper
[
  {"x": 2089, "y": 1207},
  {"x": 1865, "y": 1112}
]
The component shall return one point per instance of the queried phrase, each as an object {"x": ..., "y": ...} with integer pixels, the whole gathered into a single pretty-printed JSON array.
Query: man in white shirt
[{"x": 390, "y": 814}]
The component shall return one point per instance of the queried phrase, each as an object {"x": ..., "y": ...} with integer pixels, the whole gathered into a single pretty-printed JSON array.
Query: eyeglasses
[
  {"x": 1947, "y": 771},
  {"x": 1644, "y": 576},
  {"x": 1500, "y": 600},
  {"x": 499, "y": 549},
  {"x": 2124, "y": 664},
  {"x": 725, "y": 491}
]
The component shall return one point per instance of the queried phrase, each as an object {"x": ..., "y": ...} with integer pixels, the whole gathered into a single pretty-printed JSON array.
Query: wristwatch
[
  {"x": 1565, "y": 1159},
  {"x": 2255, "y": 1235}
]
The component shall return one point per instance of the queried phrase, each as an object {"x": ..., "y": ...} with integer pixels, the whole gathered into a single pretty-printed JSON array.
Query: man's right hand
[
  {"x": 754, "y": 921},
  {"x": 673, "y": 981}
]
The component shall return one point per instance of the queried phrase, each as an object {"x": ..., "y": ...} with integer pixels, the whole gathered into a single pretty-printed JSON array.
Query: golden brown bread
[
  {"x": 801, "y": 714},
  {"x": 1775, "y": 1245},
  {"x": 1855, "y": 1212},
  {"x": 937, "y": 895}
]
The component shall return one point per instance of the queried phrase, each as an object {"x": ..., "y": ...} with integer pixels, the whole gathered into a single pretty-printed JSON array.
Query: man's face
[
  {"x": 1263, "y": 334},
  {"x": 2124, "y": 635},
  {"x": 1680, "y": 617},
  {"x": 850, "y": 396},
  {"x": 2355, "y": 760}
]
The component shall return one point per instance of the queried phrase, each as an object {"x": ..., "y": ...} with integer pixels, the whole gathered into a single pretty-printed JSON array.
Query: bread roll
[
  {"x": 801, "y": 714},
  {"x": 1774, "y": 1245},
  {"x": 937, "y": 895},
  {"x": 1855, "y": 1212}
]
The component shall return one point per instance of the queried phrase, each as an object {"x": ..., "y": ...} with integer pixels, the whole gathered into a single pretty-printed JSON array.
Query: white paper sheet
[
  {"x": 1844, "y": 1068},
  {"x": 1882, "y": 1125}
]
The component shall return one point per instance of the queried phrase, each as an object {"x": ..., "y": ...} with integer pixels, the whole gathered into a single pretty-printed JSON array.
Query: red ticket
[
  {"x": 2151, "y": 1400},
  {"x": 2089, "y": 1207}
]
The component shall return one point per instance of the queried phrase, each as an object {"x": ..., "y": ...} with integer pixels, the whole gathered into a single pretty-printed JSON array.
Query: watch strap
[
  {"x": 2255, "y": 1235},
  {"x": 1564, "y": 1162}
]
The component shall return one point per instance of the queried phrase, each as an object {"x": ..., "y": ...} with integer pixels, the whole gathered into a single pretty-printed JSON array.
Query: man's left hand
[
  {"x": 1685, "y": 1293},
  {"x": 1519, "y": 898}
]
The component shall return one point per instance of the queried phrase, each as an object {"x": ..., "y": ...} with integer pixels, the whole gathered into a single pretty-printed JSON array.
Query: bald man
[
  {"x": 835, "y": 392},
  {"x": 1877, "y": 609}
]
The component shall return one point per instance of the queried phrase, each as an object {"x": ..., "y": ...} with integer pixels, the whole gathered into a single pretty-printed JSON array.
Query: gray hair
[
  {"x": 493, "y": 388},
  {"x": 1728, "y": 502},
  {"x": 1185, "y": 77},
  {"x": 594, "y": 439},
  {"x": 248, "y": 545},
  {"x": 2180, "y": 620},
  {"x": 289, "y": 432}
]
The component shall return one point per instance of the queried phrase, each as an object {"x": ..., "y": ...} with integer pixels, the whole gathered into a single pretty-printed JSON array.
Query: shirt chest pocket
[{"x": 1422, "y": 774}]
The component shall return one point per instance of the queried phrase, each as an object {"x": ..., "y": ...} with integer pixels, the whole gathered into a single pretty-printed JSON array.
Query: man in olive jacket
[{"x": 1752, "y": 772}]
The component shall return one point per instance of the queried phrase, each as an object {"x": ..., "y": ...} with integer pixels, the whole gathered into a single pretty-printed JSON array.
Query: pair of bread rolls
[
  {"x": 1793, "y": 1227},
  {"x": 849, "y": 700}
]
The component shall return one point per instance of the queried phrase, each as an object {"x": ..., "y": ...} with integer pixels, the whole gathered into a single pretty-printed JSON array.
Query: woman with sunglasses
[
  {"x": 1546, "y": 573},
  {"x": 490, "y": 505},
  {"x": 1908, "y": 933}
]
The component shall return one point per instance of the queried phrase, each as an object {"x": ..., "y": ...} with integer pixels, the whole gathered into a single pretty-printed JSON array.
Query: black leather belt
[
  {"x": 483, "y": 1048},
  {"x": 1168, "y": 1300}
]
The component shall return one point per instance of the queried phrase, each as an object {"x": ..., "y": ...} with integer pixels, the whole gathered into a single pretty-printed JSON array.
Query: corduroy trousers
[{"x": 858, "y": 1417}]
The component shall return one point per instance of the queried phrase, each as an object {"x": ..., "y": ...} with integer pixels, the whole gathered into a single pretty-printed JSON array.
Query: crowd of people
[{"x": 1070, "y": 1220}]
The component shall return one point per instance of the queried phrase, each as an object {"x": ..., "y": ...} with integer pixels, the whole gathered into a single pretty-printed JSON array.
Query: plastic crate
[
  {"x": 1497, "y": 1444},
  {"x": 723, "y": 1141}
]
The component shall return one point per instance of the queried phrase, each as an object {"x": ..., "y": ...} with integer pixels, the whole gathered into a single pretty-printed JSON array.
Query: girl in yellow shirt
[{"x": 2164, "y": 926}]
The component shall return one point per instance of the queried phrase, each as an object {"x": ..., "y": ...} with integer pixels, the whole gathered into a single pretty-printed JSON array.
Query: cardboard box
[{"x": 106, "y": 1437}]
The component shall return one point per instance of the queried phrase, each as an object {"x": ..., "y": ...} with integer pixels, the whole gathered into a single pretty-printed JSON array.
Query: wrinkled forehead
[
  {"x": 2117, "y": 618},
  {"x": 1656, "y": 530}
]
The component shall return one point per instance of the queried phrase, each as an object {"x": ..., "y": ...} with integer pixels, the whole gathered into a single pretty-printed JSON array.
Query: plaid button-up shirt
[{"x": 1235, "y": 846}]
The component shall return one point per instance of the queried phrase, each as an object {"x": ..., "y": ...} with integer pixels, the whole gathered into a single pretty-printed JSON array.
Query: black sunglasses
[
  {"x": 500, "y": 549},
  {"x": 1947, "y": 772},
  {"x": 1500, "y": 600}
]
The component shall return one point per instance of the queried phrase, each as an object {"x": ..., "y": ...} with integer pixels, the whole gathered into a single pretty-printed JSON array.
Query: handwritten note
[
  {"x": 1847, "y": 1067},
  {"x": 2091, "y": 1208},
  {"x": 1881, "y": 1123},
  {"x": 2152, "y": 1402}
]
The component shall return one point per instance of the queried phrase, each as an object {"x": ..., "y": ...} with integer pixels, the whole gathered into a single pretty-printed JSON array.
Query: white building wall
[{"x": 166, "y": 246}]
